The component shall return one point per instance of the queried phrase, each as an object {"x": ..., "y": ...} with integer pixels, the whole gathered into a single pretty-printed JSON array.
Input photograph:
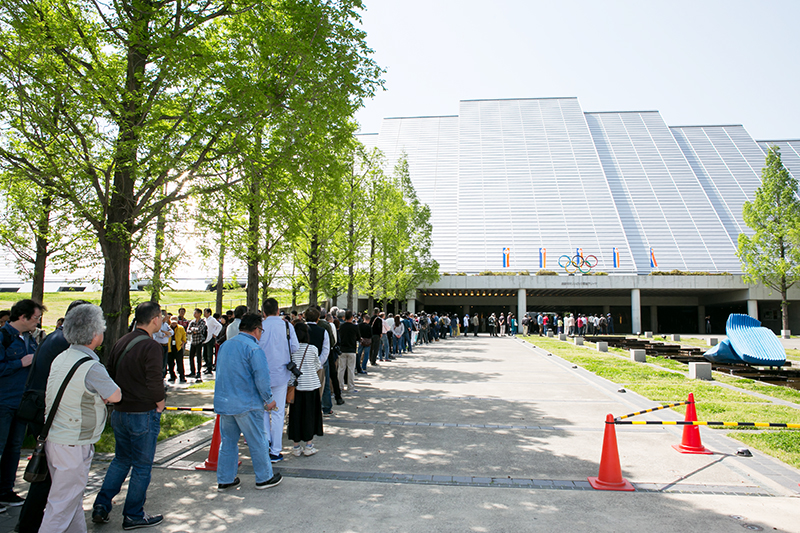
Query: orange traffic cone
[
  {"x": 690, "y": 443},
  {"x": 610, "y": 475},
  {"x": 210, "y": 464}
]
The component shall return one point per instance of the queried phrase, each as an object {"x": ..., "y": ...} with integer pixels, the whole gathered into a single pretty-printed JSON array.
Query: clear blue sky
[{"x": 697, "y": 62}]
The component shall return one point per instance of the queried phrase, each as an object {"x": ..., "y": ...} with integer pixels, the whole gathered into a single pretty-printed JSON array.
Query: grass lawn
[
  {"x": 171, "y": 424},
  {"x": 714, "y": 403},
  {"x": 205, "y": 385},
  {"x": 57, "y": 302}
]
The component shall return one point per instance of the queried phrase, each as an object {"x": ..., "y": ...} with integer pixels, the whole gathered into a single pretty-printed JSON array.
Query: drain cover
[
  {"x": 752, "y": 527},
  {"x": 737, "y": 517}
]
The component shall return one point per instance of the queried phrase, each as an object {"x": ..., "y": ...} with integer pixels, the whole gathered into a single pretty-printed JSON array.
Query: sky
[{"x": 698, "y": 62}]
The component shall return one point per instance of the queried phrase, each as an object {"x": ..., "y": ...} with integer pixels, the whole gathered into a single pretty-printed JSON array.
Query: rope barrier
[
  {"x": 651, "y": 410},
  {"x": 211, "y": 409},
  {"x": 705, "y": 423}
]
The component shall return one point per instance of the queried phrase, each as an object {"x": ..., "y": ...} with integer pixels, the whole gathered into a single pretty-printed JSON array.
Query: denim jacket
[{"x": 242, "y": 381}]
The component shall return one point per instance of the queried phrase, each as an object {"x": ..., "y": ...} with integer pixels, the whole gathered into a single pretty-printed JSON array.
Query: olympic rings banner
[{"x": 577, "y": 263}]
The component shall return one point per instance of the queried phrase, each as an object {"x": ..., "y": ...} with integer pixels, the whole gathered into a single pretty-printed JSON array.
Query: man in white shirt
[
  {"x": 214, "y": 328},
  {"x": 279, "y": 341},
  {"x": 162, "y": 337}
]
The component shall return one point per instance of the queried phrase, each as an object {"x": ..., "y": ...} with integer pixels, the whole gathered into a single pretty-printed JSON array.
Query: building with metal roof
[{"x": 538, "y": 184}]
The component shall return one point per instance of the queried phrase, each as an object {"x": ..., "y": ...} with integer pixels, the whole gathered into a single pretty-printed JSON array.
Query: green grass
[
  {"x": 782, "y": 445},
  {"x": 206, "y": 385},
  {"x": 171, "y": 424},
  {"x": 713, "y": 403},
  {"x": 57, "y": 302}
]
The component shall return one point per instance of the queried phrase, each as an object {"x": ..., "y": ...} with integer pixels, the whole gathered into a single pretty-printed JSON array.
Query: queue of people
[{"x": 265, "y": 365}]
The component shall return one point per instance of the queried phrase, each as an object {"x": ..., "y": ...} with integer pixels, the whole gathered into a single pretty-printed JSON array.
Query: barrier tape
[
  {"x": 190, "y": 409},
  {"x": 651, "y": 410},
  {"x": 704, "y": 423}
]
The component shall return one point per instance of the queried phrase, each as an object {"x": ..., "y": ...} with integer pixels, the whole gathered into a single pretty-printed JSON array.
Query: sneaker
[
  {"x": 198, "y": 380},
  {"x": 171, "y": 380},
  {"x": 274, "y": 480},
  {"x": 99, "y": 515},
  {"x": 309, "y": 450},
  {"x": 276, "y": 458},
  {"x": 327, "y": 414},
  {"x": 225, "y": 486},
  {"x": 145, "y": 521},
  {"x": 297, "y": 451},
  {"x": 183, "y": 380},
  {"x": 11, "y": 500},
  {"x": 339, "y": 401}
]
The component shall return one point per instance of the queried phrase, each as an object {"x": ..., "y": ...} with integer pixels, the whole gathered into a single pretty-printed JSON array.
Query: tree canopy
[{"x": 771, "y": 255}]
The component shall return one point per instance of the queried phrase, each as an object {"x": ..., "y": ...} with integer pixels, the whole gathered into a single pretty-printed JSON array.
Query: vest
[
  {"x": 316, "y": 334},
  {"x": 81, "y": 415}
]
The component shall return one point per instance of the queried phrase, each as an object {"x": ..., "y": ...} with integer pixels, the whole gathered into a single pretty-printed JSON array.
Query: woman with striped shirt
[{"x": 305, "y": 414}]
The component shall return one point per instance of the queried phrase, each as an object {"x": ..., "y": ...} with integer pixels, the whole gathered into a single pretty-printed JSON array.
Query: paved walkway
[{"x": 476, "y": 435}]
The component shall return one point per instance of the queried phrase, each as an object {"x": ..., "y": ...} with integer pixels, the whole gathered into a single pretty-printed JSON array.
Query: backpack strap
[{"x": 54, "y": 409}]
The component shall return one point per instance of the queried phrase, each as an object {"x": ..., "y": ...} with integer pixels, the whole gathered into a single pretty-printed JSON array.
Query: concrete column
[
  {"x": 464, "y": 310},
  {"x": 522, "y": 306},
  {"x": 752, "y": 308},
  {"x": 701, "y": 318},
  {"x": 606, "y": 309},
  {"x": 636, "y": 311},
  {"x": 412, "y": 305},
  {"x": 654, "y": 319}
]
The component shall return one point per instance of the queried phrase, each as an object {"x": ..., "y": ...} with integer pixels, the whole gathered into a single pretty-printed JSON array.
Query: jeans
[
  {"x": 397, "y": 344},
  {"x": 327, "y": 404},
  {"x": 196, "y": 352},
  {"x": 407, "y": 342},
  {"x": 363, "y": 356},
  {"x": 251, "y": 424},
  {"x": 136, "y": 435},
  {"x": 12, "y": 432},
  {"x": 383, "y": 353},
  {"x": 208, "y": 356}
]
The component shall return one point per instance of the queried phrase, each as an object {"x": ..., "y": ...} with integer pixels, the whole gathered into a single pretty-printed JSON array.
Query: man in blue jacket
[
  {"x": 16, "y": 355},
  {"x": 241, "y": 394}
]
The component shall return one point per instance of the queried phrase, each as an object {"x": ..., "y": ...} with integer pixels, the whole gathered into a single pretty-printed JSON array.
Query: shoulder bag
[
  {"x": 290, "y": 390},
  {"x": 31, "y": 406},
  {"x": 36, "y": 470}
]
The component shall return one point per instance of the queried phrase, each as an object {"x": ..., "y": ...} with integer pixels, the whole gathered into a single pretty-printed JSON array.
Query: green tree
[
  {"x": 109, "y": 103},
  {"x": 771, "y": 255}
]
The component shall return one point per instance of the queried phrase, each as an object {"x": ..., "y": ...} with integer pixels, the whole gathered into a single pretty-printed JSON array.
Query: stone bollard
[
  {"x": 676, "y": 337},
  {"x": 648, "y": 334},
  {"x": 712, "y": 341},
  {"x": 786, "y": 333},
  {"x": 549, "y": 332},
  {"x": 562, "y": 337},
  {"x": 700, "y": 371},
  {"x": 578, "y": 341},
  {"x": 602, "y": 346},
  {"x": 638, "y": 356}
]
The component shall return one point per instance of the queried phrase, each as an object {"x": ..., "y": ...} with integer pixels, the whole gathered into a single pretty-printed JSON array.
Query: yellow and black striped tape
[
  {"x": 705, "y": 423},
  {"x": 651, "y": 410},
  {"x": 189, "y": 409}
]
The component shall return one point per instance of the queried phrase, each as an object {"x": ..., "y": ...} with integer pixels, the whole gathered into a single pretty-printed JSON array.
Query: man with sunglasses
[{"x": 16, "y": 355}]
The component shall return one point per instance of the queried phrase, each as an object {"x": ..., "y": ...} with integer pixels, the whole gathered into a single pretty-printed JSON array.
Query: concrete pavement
[{"x": 469, "y": 434}]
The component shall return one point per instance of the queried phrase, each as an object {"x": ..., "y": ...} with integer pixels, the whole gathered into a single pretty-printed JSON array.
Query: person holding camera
[
  {"x": 279, "y": 341},
  {"x": 305, "y": 416}
]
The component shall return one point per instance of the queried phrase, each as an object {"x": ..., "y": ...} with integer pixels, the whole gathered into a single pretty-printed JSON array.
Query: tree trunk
[
  {"x": 252, "y": 261},
  {"x": 371, "y": 300},
  {"x": 221, "y": 271},
  {"x": 157, "y": 284},
  {"x": 42, "y": 244},
  {"x": 350, "y": 285},
  {"x": 313, "y": 271},
  {"x": 784, "y": 304},
  {"x": 116, "y": 297}
]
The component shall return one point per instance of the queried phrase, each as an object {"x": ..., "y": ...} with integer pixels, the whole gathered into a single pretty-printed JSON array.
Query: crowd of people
[{"x": 264, "y": 364}]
